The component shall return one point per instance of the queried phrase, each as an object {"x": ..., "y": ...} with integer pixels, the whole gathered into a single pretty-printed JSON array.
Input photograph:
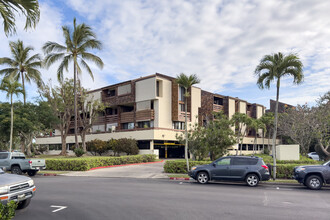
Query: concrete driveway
[{"x": 152, "y": 170}]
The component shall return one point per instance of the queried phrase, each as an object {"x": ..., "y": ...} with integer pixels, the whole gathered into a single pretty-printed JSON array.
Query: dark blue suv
[{"x": 232, "y": 168}]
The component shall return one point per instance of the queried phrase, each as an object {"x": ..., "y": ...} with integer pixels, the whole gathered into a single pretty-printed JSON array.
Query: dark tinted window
[
  {"x": 245, "y": 161},
  {"x": 3, "y": 155}
]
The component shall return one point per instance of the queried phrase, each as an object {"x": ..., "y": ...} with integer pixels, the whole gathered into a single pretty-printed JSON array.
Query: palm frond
[
  {"x": 85, "y": 65},
  {"x": 93, "y": 58}
]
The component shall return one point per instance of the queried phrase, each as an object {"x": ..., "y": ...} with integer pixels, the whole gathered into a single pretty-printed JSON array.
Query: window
[
  {"x": 178, "y": 125},
  {"x": 245, "y": 161},
  {"x": 218, "y": 101},
  {"x": 127, "y": 126},
  {"x": 152, "y": 104},
  {"x": 181, "y": 93},
  {"x": 3, "y": 155},
  {"x": 111, "y": 92},
  {"x": 111, "y": 111},
  {"x": 224, "y": 161},
  {"x": 182, "y": 107},
  {"x": 127, "y": 108},
  {"x": 145, "y": 124}
]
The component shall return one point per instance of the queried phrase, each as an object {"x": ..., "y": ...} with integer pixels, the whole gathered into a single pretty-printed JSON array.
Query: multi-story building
[{"x": 151, "y": 110}]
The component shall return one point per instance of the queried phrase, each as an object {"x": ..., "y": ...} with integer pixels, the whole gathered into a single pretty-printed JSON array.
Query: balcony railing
[
  {"x": 217, "y": 108},
  {"x": 249, "y": 113},
  {"x": 111, "y": 118},
  {"x": 126, "y": 117},
  {"x": 182, "y": 116},
  {"x": 145, "y": 115}
]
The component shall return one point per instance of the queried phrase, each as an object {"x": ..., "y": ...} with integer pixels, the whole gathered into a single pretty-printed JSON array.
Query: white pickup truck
[{"x": 18, "y": 164}]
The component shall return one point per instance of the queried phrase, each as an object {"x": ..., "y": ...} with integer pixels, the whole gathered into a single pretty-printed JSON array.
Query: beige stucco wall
[
  {"x": 145, "y": 89},
  {"x": 124, "y": 89},
  {"x": 242, "y": 107},
  {"x": 287, "y": 152},
  {"x": 163, "y": 105},
  {"x": 195, "y": 104},
  {"x": 260, "y": 111},
  {"x": 231, "y": 107}
]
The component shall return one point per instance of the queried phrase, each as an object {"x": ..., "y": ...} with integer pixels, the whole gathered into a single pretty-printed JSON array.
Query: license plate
[{"x": 21, "y": 197}]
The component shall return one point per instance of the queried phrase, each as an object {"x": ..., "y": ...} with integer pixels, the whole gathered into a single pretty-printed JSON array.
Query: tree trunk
[
  {"x": 186, "y": 132},
  {"x": 275, "y": 128},
  {"x": 83, "y": 140},
  {"x": 23, "y": 85},
  {"x": 75, "y": 104},
  {"x": 22, "y": 144},
  {"x": 63, "y": 138},
  {"x": 11, "y": 123},
  {"x": 263, "y": 140}
]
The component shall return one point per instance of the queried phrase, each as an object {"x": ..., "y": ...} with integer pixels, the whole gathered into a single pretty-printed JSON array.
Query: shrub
[
  {"x": 126, "y": 145},
  {"x": 83, "y": 164},
  {"x": 78, "y": 152},
  {"x": 97, "y": 146},
  {"x": 7, "y": 212}
]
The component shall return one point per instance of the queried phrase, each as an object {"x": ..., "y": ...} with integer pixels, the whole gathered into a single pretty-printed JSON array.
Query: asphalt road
[{"x": 130, "y": 198}]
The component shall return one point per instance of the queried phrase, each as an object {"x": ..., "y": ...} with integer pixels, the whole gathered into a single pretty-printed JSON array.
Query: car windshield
[{"x": 326, "y": 163}]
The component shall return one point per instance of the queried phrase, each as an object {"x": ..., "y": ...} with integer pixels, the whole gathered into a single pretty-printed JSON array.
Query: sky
[{"x": 221, "y": 41}]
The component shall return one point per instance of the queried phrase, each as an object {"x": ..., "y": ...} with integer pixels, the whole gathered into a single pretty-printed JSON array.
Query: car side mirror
[{"x": 214, "y": 164}]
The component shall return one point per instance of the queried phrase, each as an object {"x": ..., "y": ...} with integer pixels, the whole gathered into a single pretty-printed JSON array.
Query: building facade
[{"x": 151, "y": 110}]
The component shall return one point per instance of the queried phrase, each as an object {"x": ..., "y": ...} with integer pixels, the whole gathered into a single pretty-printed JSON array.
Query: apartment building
[{"x": 151, "y": 110}]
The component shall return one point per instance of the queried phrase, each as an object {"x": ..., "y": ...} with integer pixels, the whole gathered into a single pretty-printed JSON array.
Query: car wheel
[
  {"x": 202, "y": 177},
  {"x": 16, "y": 170},
  {"x": 314, "y": 182},
  {"x": 32, "y": 172},
  {"x": 252, "y": 180},
  {"x": 23, "y": 204}
]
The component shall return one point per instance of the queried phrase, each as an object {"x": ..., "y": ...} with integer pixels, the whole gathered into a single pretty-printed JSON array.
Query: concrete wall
[
  {"x": 145, "y": 89},
  {"x": 195, "y": 104},
  {"x": 231, "y": 107},
  {"x": 287, "y": 152},
  {"x": 163, "y": 105},
  {"x": 124, "y": 89}
]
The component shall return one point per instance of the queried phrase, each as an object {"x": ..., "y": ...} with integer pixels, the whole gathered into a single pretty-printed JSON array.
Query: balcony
[
  {"x": 126, "y": 117},
  {"x": 217, "y": 108},
  {"x": 111, "y": 118},
  {"x": 182, "y": 116},
  {"x": 249, "y": 113},
  {"x": 99, "y": 120},
  {"x": 145, "y": 115}
]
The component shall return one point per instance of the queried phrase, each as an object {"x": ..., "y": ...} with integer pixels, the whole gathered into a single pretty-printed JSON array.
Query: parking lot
[{"x": 138, "y": 198}]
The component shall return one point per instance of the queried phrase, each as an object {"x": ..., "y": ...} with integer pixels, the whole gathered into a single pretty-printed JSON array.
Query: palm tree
[
  {"x": 239, "y": 120},
  {"x": 22, "y": 66},
  {"x": 186, "y": 82},
  {"x": 12, "y": 88},
  {"x": 77, "y": 43},
  {"x": 9, "y": 8},
  {"x": 272, "y": 68}
]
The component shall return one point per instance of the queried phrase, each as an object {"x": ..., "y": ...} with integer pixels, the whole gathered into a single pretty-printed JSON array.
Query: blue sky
[{"x": 219, "y": 40}]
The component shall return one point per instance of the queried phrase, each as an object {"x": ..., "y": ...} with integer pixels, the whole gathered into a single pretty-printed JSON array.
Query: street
[{"x": 63, "y": 197}]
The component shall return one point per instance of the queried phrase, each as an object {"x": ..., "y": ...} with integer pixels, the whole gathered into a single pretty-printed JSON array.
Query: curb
[
  {"x": 47, "y": 174},
  {"x": 179, "y": 178},
  {"x": 122, "y": 165}
]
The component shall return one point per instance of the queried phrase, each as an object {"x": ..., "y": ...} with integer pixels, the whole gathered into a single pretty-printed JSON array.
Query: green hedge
[
  {"x": 303, "y": 160},
  {"x": 284, "y": 171},
  {"x": 83, "y": 164}
]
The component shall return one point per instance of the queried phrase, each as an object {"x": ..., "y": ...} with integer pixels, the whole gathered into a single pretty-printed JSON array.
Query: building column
[{"x": 152, "y": 145}]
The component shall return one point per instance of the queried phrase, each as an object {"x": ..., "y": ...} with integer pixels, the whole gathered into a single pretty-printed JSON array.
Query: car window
[
  {"x": 245, "y": 161},
  {"x": 3, "y": 155},
  {"x": 224, "y": 161}
]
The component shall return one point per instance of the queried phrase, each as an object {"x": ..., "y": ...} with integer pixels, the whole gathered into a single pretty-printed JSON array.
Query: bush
[
  {"x": 97, "y": 146},
  {"x": 78, "y": 152},
  {"x": 7, "y": 212},
  {"x": 83, "y": 164},
  {"x": 126, "y": 145}
]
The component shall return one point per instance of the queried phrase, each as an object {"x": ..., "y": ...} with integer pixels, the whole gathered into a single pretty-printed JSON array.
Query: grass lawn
[{"x": 52, "y": 171}]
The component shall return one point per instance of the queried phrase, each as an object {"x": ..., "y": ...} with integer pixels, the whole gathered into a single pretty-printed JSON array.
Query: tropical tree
[
  {"x": 268, "y": 121},
  {"x": 77, "y": 43},
  {"x": 22, "y": 66},
  {"x": 12, "y": 88},
  {"x": 186, "y": 82},
  {"x": 256, "y": 125},
  {"x": 240, "y": 121},
  {"x": 275, "y": 67},
  {"x": 9, "y": 8}
]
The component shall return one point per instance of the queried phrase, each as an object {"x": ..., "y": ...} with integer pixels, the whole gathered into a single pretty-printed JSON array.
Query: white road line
[{"x": 59, "y": 208}]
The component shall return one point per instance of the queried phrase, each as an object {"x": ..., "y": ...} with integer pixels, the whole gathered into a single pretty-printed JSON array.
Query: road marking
[{"x": 59, "y": 208}]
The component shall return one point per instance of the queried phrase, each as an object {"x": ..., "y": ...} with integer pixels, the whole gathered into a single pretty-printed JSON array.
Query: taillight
[
  {"x": 264, "y": 166},
  {"x": 30, "y": 161}
]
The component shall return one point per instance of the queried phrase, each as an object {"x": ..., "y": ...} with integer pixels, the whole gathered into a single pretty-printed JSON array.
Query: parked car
[
  {"x": 313, "y": 155},
  {"x": 16, "y": 188},
  {"x": 232, "y": 168},
  {"x": 313, "y": 176},
  {"x": 18, "y": 164}
]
